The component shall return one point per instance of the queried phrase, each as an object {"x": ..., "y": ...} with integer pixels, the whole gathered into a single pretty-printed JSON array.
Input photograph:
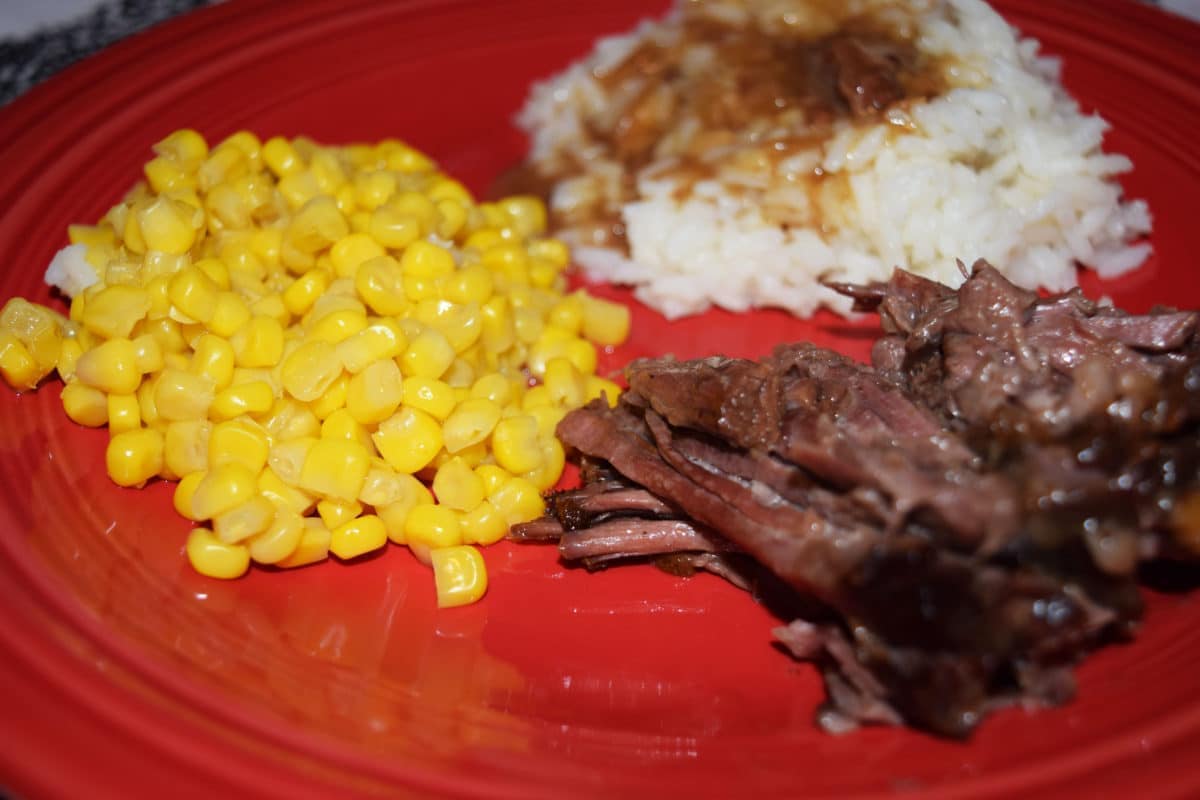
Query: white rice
[{"x": 1002, "y": 166}]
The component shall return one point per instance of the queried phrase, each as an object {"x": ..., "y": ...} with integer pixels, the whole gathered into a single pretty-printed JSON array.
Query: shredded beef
[{"x": 952, "y": 528}]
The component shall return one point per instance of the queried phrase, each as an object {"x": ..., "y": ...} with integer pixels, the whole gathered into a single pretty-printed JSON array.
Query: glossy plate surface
[{"x": 126, "y": 674}]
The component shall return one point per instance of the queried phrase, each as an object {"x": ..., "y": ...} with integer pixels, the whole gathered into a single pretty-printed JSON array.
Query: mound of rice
[{"x": 1000, "y": 164}]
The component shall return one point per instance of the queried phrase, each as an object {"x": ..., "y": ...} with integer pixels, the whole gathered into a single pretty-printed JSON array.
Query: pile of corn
[{"x": 327, "y": 347}]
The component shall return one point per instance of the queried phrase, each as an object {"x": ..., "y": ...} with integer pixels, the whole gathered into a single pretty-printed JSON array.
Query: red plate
[{"x": 128, "y": 674}]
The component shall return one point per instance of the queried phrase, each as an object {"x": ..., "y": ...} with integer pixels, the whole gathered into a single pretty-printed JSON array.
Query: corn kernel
[
  {"x": 429, "y": 395},
  {"x": 245, "y": 520},
  {"x": 515, "y": 444},
  {"x": 596, "y": 387},
  {"x": 351, "y": 251},
  {"x": 185, "y": 446},
  {"x": 374, "y": 394},
  {"x": 428, "y": 355},
  {"x": 337, "y": 326},
  {"x": 280, "y": 157},
  {"x": 518, "y": 500},
  {"x": 194, "y": 294},
  {"x": 294, "y": 499},
  {"x": 85, "y": 405},
  {"x": 408, "y": 440},
  {"x": 124, "y": 414},
  {"x": 134, "y": 456},
  {"x": 332, "y": 398},
  {"x": 412, "y": 493},
  {"x": 279, "y": 540},
  {"x": 605, "y": 322},
  {"x": 184, "y": 491},
  {"x": 239, "y": 440},
  {"x": 168, "y": 225},
  {"x": 310, "y": 369},
  {"x": 483, "y": 524},
  {"x": 210, "y": 556},
  {"x": 459, "y": 574},
  {"x": 358, "y": 537},
  {"x": 253, "y": 397},
  {"x": 433, "y": 526},
  {"x": 337, "y": 512},
  {"x": 335, "y": 468},
  {"x": 214, "y": 359},
  {"x": 222, "y": 488},
  {"x": 304, "y": 291},
  {"x": 471, "y": 422},
  {"x": 289, "y": 419},
  {"x": 110, "y": 367},
  {"x": 229, "y": 314},
  {"x": 455, "y": 485},
  {"x": 113, "y": 311}
]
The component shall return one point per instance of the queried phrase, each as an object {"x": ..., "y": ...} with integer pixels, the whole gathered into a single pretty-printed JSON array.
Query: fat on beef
[{"x": 951, "y": 528}]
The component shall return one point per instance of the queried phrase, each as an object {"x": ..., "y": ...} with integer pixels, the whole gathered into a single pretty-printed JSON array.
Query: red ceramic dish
[{"x": 126, "y": 674}]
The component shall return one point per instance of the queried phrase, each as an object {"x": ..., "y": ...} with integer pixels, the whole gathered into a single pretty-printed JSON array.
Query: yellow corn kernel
[
  {"x": 185, "y": 446},
  {"x": 287, "y": 458},
  {"x": 245, "y": 520},
  {"x": 229, "y": 314},
  {"x": 317, "y": 225},
  {"x": 567, "y": 313},
  {"x": 169, "y": 225},
  {"x": 547, "y": 473},
  {"x": 310, "y": 369},
  {"x": 254, "y": 397},
  {"x": 332, "y": 398},
  {"x": 148, "y": 354},
  {"x": 564, "y": 383},
  {"x": 241, "y": 441},
  {"x": 184, "y": 147},
  {"x": 304, "y": 291},
  {"x": 184, "y": 491},
  {"x": 134, "y": 456},
  {"x": 258, "y": 343},
  {"x": 168, "y": 333},
  {"x": 272, "y": 487},
  {"x": 408, "y": 440},
  {"x": 342, "y": 425},
  {"x": 432, "y": 526},
  {"x": 216, "y": 271},
  {"x": 471, "y": 284},
  {"x": 452, "y": 218},
  {"x": 337, "y": 326},
  {"x": 457, "y": 486},
  {"x": 460, "y": 575},
  {"x": 280, "y": 157},
  {"x": 358, "y": 537},
  {"x": 429, "y": 395},
  {"x": 423, "y": 259},
  {"x": 113, "y": 311},
  {"x": 213, "y": 558},
  {"x": 223, "y": 488},
  {"x": 471, "y": 422},
  {"x": 68, "y": 355},
  {"x": 85, "y": 405},
  {"x": 194, "y": 294},
  {"x": 110, "y": 367},
  {"x": 605, "y": 322},
  {"x": 337, "y": 512},
  {"x": 552, "y": 251},
  {"x": 392, "y": 228},
  {"x": 313, "y": 546},
  {"x": 493, "y": 476},
  {"x": 124, "y": 414},
  {"x": 544, "y": 275},
  {"x": 373, "y": 189},
  {"x": 374, "y": 394},
  {"x": 335, "y": 468},
  {"x": 271, "y": 307},
  {"x": 418, "y": 288},
  {"x": 582, "y": 354},
  {"x": 495, "y": 387},
  {"x": 410, "y": 493},
  {"x": 382, "y": 486},
  {"x": 224, "y": 163},
  {"x": 382, "y": 339},
  {"x": 17, "y": 365},
  {"x": 547, "y": 417},
  {"x": 279, "y": 540},
  {"x": 499, "y": 327},
  {"x": 515, "y": 444},
  {"x": 351, "y": 251},
  {"x": 428, "y": 354},
  {"x": 596, "y": 387},
  {"x": 289, "y": 419},
  {"x": 483, "y": 524},
  {"x": 214, "y": 359},
  {"x": 518, "y": 500},
  {"x": 462, "y": 325}
]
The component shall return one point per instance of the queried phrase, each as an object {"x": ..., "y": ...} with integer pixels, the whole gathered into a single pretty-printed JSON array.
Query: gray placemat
[{"x": 27, "y": 61}]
